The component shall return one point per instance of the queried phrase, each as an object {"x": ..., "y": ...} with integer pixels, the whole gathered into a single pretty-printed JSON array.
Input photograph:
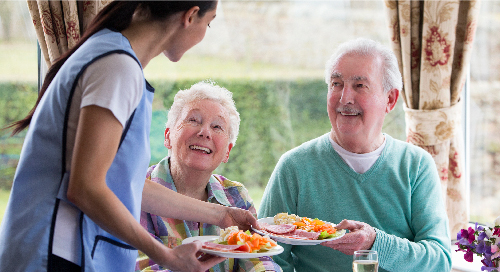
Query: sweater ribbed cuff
[{"x": 384, "y": 246}]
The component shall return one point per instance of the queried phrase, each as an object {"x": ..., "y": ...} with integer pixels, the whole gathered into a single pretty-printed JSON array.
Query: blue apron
[{"x": 41, "y": 177}]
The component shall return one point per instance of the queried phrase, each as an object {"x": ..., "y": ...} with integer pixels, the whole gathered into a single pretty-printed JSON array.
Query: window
[
  {"x": 277, "y": 52},
  {"x": 18, "y": 84},
  {"x": 484, "y": 111},
  {"x": 271, "y": 55}
]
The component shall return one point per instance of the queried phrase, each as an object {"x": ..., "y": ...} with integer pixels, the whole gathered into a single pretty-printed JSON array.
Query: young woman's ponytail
[
  {"x": 117, "y": 15},
  {"x": 124, "y": 10}
]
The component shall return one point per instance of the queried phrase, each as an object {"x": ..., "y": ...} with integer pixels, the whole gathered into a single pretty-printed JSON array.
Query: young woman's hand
[
  {"x": 233, "y": 216},
  {"x": 187, "y": 258},
  {"x": 158, "y": 199}
]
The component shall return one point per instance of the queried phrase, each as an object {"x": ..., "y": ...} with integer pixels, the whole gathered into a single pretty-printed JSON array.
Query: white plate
[
  {"x": 236, "y": 255},
  {"x": 291, "y": 241}
]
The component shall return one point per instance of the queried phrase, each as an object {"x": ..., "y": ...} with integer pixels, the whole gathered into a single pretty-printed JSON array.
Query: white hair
[
  {"x": 206, "y": 90},
  {"x": 366, "y": 47}
]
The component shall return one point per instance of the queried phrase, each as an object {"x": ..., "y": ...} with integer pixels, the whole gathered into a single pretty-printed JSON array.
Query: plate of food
[
  {"x": 235, "y": 243},
  {"x": 295, "y": 230}
]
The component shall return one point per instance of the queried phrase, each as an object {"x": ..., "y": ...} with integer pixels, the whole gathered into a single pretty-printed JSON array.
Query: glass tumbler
[{"x": 365, "y": 261}]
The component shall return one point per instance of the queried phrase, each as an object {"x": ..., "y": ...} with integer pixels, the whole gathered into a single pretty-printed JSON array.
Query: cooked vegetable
[
  {"x": 252, "y": 243},
  {"x": 326, "y": 230}
]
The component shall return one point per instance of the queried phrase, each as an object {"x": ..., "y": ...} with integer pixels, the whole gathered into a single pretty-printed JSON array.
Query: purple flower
[
  {"x": 466, "y": 237},
  {"x": 480, "y": 248},
  {"x": 489, "y": 269},
  {"x": 469, "y": 256},
  {"x": 478, "y": 228},
  {"x": 488, "y": 265},
  {"x": 482, "y": 236},
  {"x": 483, "y": 248}
]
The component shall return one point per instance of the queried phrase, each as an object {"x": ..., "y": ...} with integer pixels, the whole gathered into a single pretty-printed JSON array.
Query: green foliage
[
  {"x": 275, "y": 117},
  {"x": 4, "y": 198},
  {"x": 16, "y": 100},
  {"x": 158, "y": 150}
]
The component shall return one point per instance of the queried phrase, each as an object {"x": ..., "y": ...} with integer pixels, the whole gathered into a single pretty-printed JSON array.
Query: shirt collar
[{"x": 215, "y": 188}]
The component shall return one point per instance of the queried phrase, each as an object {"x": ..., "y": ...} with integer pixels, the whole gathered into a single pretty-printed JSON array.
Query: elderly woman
[{"x": 202, "y": 128}]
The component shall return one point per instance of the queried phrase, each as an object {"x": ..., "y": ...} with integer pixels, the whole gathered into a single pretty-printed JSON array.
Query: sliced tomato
[{"x": 245, "y": 247}]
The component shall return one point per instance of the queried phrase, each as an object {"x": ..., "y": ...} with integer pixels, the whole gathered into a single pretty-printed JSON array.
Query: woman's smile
[{"x": 200, "y": 148}]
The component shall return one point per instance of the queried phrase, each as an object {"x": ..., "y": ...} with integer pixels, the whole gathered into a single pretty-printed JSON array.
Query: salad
[
  {"x": 325, "y": 230},
  {"x": 293, "y": 226},
  {"x": 243, "y": 241}
]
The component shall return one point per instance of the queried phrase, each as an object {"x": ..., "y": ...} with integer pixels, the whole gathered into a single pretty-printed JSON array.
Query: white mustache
[{"x": 348, "y": 110}]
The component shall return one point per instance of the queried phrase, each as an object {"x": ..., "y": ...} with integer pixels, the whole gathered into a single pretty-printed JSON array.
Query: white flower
[{"x": 489, "y": 233}]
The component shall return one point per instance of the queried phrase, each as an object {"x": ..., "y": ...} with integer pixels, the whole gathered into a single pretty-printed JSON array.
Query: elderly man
[{"x": 388, "y": 189}]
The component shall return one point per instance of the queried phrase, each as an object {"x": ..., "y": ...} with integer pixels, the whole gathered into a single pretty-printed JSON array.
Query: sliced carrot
[
  {"x": 318, "y": 222},
  {"x": 315, "y": 225},
  {"x": 300, "y": 224},
  {"x": 255, "y": 243},
  {"x": 249, "y": 243},
  {"x": 256, "y": 236},
  {"x": 232, "y": 239}
]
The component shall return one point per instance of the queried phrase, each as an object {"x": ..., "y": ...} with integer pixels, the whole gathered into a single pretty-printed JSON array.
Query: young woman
[{"x": 76, "y": 197}]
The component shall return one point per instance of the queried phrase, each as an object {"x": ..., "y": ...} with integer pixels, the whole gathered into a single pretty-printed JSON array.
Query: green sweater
[{"x": 400, "y": 196}]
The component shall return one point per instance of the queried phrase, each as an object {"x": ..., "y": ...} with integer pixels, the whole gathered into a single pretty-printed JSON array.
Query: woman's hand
[
  {"x": 158, "y": 199},
  {"x": 187, "y": 258},
  {"x": 233, "y": 216},
  {"x": 361, "y": 236}
]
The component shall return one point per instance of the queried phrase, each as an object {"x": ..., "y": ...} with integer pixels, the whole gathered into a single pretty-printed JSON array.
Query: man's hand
[
  {"x": 361, "y": 236},
  {"x": 233, "y": 216}
]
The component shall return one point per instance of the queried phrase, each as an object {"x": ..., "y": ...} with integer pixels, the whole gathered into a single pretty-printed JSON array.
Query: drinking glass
[{"x": 365, "y": 261}]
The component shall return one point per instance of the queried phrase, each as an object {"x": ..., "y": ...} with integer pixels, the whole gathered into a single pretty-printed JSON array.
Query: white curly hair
[{"x": 206, "y": 90}]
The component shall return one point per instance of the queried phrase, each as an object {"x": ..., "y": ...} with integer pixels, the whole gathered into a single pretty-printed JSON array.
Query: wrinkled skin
[{"x": 361, "y": 236}]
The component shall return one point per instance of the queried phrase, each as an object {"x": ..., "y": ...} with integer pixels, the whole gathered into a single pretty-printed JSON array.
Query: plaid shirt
[{"x": 171, "y": 231}]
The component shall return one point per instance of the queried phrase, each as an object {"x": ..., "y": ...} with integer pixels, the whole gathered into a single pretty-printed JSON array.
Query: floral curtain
[
  {"x": 433, "y": 43},
  {"x": 59, "y": 24}
]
